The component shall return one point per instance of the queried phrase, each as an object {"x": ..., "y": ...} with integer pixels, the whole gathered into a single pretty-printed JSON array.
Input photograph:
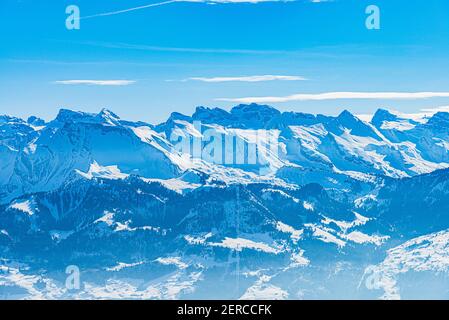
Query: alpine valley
[{"x": 343, "y": 208}]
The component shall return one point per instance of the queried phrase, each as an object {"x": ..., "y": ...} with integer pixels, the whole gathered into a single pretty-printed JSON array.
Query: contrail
[
  {"x": 173, "y": 1},
  {"x": 130, "y": 9}
]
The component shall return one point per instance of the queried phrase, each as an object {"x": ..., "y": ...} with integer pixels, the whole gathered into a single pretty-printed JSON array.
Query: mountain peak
[
  {"x": 345, "y": 114},
  {"x": 105, "y": 116},
  {"x": 108, "y": 113},
  {"x": 212, "y": 115},
  {"x": 439, "y": 118},
  {"x": 7, "y": 119},
  {"x": 205, "y": 111},
  {"x": 178, "y": 116},
  {"x": 35, "y": 121},
  {"x": 254, "y": 115},
  {"x": 108, "y": 116},
  {"x": 347, "y": 118},
  {"x": 252, "y": 108},
  {"x": 382, "y": 115},
  {"x": 67, "y": 115}
]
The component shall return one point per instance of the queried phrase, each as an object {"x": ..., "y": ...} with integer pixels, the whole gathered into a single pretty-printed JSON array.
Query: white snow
[
  {"x": 354, "y": 235},
  {"x": 359, "y": 202},
  {"x": 146, "y": 134},
  {"x": 31, "y": 147},
  {"x": 122, "y": 265},
  {"x": 263, "y": 290},
  {"x": 346, "y": 225},
  {"x": 295, "y": 234},
  {"x": 59, "y": 235},
  {"x": 24, "y": 206},
  {"x": 308, "y": 206},
  {"x": 98, "y": 171},
  {"x": 175, "y": 261},
  {"x": 325, "y": 235},
  {"x": 166, "y": 287},
  {"x": 303, "y": 146},
  {"x": 177, "y": 185},
  {"x": 186, "y": 129},
  {"x": 123, "y": 227},
  {"x": 400, "y": 125},
  {"x": 198, "y": 239},
  {"x": 359, "y": 237},
  {"x": 239, "y": 244},
  {"x": 298, "y": 259},
  {"x": 108, "y": 218},
  {"x": 426, "y": 253},
  {"x": 119, "y": 289},
  {"x": 35, "y": 287}
]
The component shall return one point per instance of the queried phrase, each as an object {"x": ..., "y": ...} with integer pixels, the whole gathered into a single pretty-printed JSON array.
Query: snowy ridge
[
  {"x": 425, "y": 253},
  {"x": 314, "y": 145},
  {"x": 308, "y": 201}
]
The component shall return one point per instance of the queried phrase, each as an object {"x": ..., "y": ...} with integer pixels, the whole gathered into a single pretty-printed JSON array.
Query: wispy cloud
[
  {"x": 339, "y": 96},
  {"x": 436, "y": 109},
  {"x": 111, "y": 13},
  {"x": 143, "y": 47},
  {"x": 97, "y": 82},
  {"x": 247, "y": 78}
]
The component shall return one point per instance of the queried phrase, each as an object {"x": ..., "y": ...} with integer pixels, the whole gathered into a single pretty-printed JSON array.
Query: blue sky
[{"x": 180, "y": 55}]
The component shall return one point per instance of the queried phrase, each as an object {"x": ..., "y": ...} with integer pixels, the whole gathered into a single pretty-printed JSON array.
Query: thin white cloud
[
  {"x": 195, "y": 1},
  {"x": 365, "y": 117},
  {"x": 436, "y": 109},
  {"x": 339, "y": 96},
  {"x": 97, "y": 82},
  {"x": 248, "y": 78},
  {"x": 150, "y": 48}
]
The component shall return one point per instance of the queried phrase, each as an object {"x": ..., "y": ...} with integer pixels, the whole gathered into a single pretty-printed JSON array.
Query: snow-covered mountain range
[{"x": 250, "y": 203}]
